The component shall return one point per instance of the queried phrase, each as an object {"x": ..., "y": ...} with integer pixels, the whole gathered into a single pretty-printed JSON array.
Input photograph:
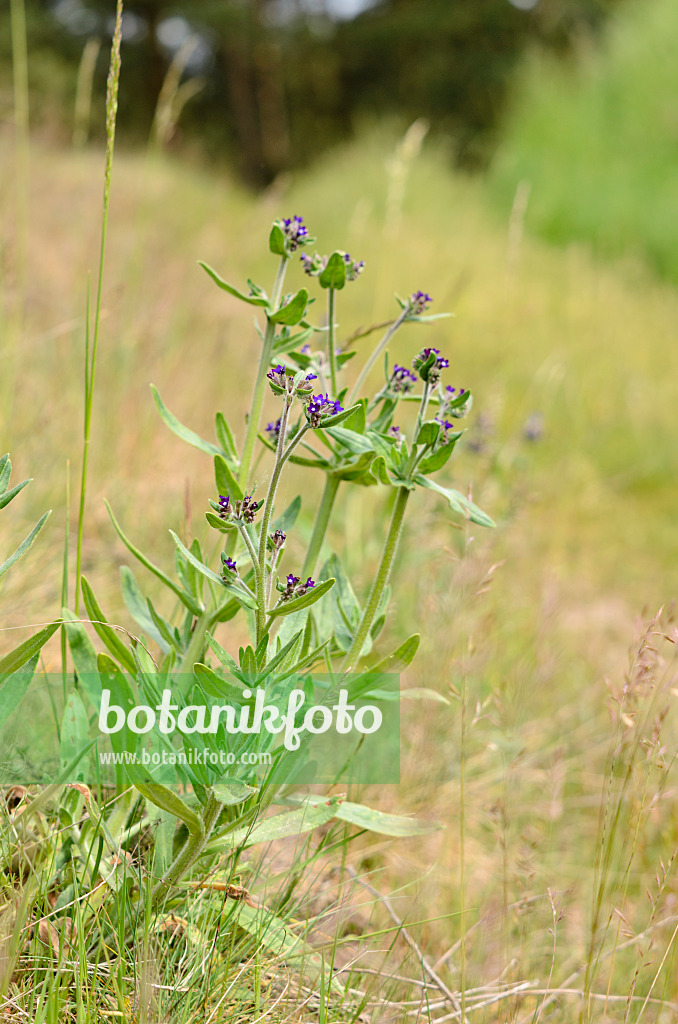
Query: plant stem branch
[
  {"x": 260, "y": 381},
  {"x": 371, "y": 360},
  {"x": 380, "y": 580},
  {"x": 330, "y": 341},
  {"x": 190, "y": 852}
]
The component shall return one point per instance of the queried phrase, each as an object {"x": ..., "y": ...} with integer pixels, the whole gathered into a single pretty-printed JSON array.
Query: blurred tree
[{"x": 284, "y": 77}]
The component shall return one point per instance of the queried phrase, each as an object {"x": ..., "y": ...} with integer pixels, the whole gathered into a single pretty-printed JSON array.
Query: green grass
[
  {"x": 597, "y": 141},
  {"x": 528, "y": 620}
]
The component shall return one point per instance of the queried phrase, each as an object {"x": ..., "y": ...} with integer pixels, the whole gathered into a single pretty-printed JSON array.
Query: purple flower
[
  {"x": 311, "y": 376},
  {"x": 305, "y": 349},
  {"x": 278, "y": 538},
  {"x": 429, "y": 373},
  {"x": 295, "y": 588},
  {"x": 295, "y": 232},
  {"x": 230, "y": 564},
  {"x": 244, "y": 509},
  {"x": 224, "y": 505},
  {"x": 321, "y": 406},
  {"x": 419, "y": 302},
  {"x": 402, "y": 379}
]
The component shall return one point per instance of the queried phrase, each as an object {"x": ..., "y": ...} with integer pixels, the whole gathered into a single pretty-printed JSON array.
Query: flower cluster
[
  {"x": 457, "y": 403},
  {"x": 428, "y": 363},
  {"x": 418, "y": 302},
  {"x": 284, "y": 383},
  {"x": 402, "y": 379},
  {"x": 277, "y": 539},
  {"x": 315, "y": 264},
  {"x": 320, "y": 407},
  {"x": 295, "y": 232},
  {"x": 295, "y": 588},
  {"x": 245, "y": 509}
]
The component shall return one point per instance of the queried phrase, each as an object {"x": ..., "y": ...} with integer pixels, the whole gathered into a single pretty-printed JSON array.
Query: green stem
[
  {"x": 320, "y": 526},
  {"x": 194, "y": 846},
  {"x": 90, "y": 367},
  {"x": 375, "y": 355},
  {"x": 197, "y": 643},
  {"x": 330, "y": 341},
  {"x": 260, "y": 381},
  {"x": 281, "y": 459},
  {"x": 259, "y": 580},
  {"x": 380, "y": 580}
]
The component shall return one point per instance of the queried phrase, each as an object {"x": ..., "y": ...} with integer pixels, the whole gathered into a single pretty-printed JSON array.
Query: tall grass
[{"x": 556, "y": 815}]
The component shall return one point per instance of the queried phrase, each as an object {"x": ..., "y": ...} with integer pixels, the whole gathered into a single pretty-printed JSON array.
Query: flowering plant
[{"x": 300, "y": 617}]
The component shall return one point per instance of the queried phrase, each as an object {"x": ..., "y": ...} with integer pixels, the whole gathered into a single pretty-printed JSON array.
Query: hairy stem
[
  {"x": 330, "y": 341},
  {"x": 321, "y": 522},
  {"x": 380, "y": 580},
  {"x": 190, "y": 852},
  {"x": 260, "y": 381}
]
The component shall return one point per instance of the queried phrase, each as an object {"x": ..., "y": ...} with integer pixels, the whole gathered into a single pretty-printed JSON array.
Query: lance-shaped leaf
[
  {"x": 216, "y": 686},
  {"x": 232, "y": 792},
  {"x": 225, "y": 480},
  {"x": 22, "y": 654},
  {"x": 138, "y": 608},
  {"x": 252, "y": 300},
  {"x": 351, "y": 439},
  {"x": 225, "y": 437},
  {"x": 106, "y": 632},
  {"x": 296, "y": 604},
  {"x": 291, "y": 823},
  {"x": 376, "y": 821},
  {"x": 223, "y": 525},
  {"x": 432, "y": 463},
  {"x": 6, "y": 496},
  {"x": 276, "y": 241},
  {"x": 293, "y": 311},
  {"x": 5, "y": 472},
  {"x": 338, "y": 417},
  {"x": 14, "y": 686},
  {"x": 457, "y": 502},
  {"x": 163, "y": 797},
  {"x": 334, "y": 274},
  {"x": 428, "y": 432},
  {"x": 25, "y": 544},
  {"x": 185, "y": 433},
  {"x": 186, "y": 599},
  {"x": 238, "y": 592}
]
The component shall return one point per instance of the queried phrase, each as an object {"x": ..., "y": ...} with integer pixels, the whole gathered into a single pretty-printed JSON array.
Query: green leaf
[
  {"x": 225, "y": 480},
  {"x": 163, "y": 797},
  {"x": 223, "y": 525},
  {"x": 334, "y": 274},
  {"x": 216, "y": 686},
  {"x": 351, "y": 439},
  {"x": 377, "y": 821},
  {"x": 232, "y": 792},
  {"x": 401, "y": 657},
  {"x": 436, "y": 460},
  {"x": 222, "y": 654},
  {"x": 332, "y": 421},
  {"x": 14, "y": 686},
  {"x": 6, "y": 496},
  {"x": 276, "y": 241},
  {"x": 196, "y": 563},
  {"x": 293, "y": 311},
  {"x": 84, "y": 657},
  {"x": 225, "y": 437},
  {"x": 138, "y": 608},
  {"x": 25, "y": 544},
  {"x": 457, "y": 502},
  {"x": 185, "y": 433},
  {"x": 106, "y": 632},
  {"x": 28, "y": 649},
  {"x": 252, "y": 300},
  {"x": 386, "y": 824},
  {"x": 5, "y": 472},
  {"x": 428, "y": 432},
  {"x": 290, "y": 823},
  {"x": 74, "y": 732},
  {"x": 287, "y": 520},
  {"x": 186, "y": 599},
  {"x": 309, "y": 598}
]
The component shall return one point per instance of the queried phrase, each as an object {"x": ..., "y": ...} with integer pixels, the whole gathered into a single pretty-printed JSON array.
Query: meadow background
[{"x": 557, "y": 253}]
